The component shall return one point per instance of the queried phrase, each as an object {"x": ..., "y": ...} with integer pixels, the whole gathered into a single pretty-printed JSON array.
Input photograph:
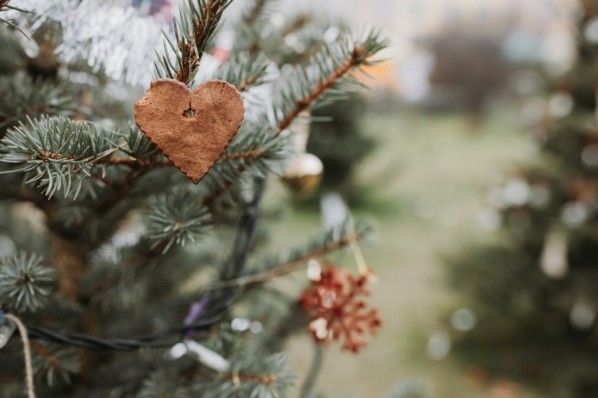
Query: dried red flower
[{"x": 337, "y": 309}]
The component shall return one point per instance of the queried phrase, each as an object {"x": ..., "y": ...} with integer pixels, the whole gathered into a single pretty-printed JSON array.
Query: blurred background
[{"x": 474, "y": 154}]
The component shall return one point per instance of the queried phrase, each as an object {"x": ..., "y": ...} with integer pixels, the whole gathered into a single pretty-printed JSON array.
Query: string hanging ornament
[
  {"x": 337, "y": 308},
  {"x": 192, "y": 128},
  {"x": 8, "y": 324},
  {"x": 303, "y": 172}
]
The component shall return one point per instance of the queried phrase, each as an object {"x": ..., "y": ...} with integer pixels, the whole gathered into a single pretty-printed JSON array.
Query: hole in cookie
[{"x": 189, "y": 113}]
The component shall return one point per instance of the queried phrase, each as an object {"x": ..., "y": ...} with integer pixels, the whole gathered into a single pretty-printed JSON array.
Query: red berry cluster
[{"x": 337, "y": 309}]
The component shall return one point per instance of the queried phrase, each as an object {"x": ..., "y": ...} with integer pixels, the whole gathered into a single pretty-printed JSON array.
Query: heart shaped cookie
[{"x": 192, "y": 128}]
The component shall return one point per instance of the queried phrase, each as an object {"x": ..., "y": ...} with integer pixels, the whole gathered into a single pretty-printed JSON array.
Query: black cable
[
  {"x": 162, "y": 339},
  {"x": 169, "y": 337},
  {"x": 237, "y": 261}
]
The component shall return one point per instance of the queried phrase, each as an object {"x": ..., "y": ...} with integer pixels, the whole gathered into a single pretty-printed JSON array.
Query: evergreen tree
[
  {"x": 130, "y": 280},
  {"x": 534, "y": 293},
  {"x": 341, "y": 145}
]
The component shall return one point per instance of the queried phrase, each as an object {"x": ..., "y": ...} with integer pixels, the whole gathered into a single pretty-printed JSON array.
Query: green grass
[{"x": 425, "y": 184}]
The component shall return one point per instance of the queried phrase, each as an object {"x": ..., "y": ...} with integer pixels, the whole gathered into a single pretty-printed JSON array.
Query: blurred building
[{"x": 540, "y": 28}]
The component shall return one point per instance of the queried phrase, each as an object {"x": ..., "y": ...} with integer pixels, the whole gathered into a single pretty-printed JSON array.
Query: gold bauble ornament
[{"x": 303, "y": 174}]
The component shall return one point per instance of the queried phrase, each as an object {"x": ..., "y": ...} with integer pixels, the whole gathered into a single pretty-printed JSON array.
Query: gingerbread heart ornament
[{"x": 192, "y": 128}]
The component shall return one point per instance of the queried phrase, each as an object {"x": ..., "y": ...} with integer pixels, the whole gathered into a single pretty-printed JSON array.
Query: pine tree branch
[
  {"x": 25, "y": 283},
  {"x": 356, "y": 55},
  {"x": 5, "y": 5},
  {"x": 301, "y": 96},
  {"x": 243, "y": 71},
  {"x": 253, "y": 376},
  {"x": 23, "y": 194},
  {"x": 357, "y": 58},
  {"x": 53, "y": 152},
  {"x": 194, "y": 29},
  {"x": 238, "y": 377},
  {"x": 253, "y": 151},
  {"x": 220, "y": 190},
  {"x": 175, "y": 218},
  {"x": 168, "y": 337},
  {"x": 254, "y": 12},
  {"x": 246, "y": 84},
  {"x": 133, "y": 162},
  {"x": 251, "y": 154},
  {"x": 41, "y": 350},
  {"x": 250, "y": 26},
  {"x": 305, "y": 102},
  {"x": 219, "y": 300},
  {"x": 287, "y": 267},
  {"x": 31, "y": 98},
  {"x": 296, "y": 24},
  {"x": 248, "y": 155}
]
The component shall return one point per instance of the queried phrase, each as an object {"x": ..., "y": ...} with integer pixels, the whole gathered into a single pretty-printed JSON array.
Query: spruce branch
[
  {"x": 254, "y": 12},
  {"x": 164, "y": 383},
  {"x": 255, "y": 34},
  {"x": 306, "y": 42},
  {"x": 253, "y": 376},
  {"x": 4, "y": 6},
  {"x": 139, "y": 146},
  {"x": 62, "y": 155},
  {"x": 219, "y": 301},
  {"x": 51, "y": 152},
  {"x": 254, "y": 143},
  {"x": 32, "y": 99},
  {"x": 135, "y": 163},
  {"x": 55, "y": 363},
  {"x": 321, "y": 245},
  {"x": 175, "y": 218},
  {"x": 329, "y": 66},
  {"x": 24, "y": 282},
  {"x": 253, "y": 152},
  {"x": 296, "y": 24},
  {"x": 266, "y": 378},
  {"x": 194, "y": 29},
  {"x": 250, "y": 26},
  {"x": 243, "y": 71}
]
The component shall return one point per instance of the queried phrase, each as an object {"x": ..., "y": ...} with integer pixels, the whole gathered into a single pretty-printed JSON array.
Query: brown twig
[
  {"x": 209, "y": 199},
  {"x": 42, "y": 350},
  {"x": 248, "y": 155},
  {"x": 245, "y": 85},
  {"x": 299, "y": 22},
  {"x": 47, "y": 155},
  {"x": 191, "y": 58},
  {"x": 257, "y": 10},
  {"x": 69, "y": 264},
  {"x": 133, "y": 163},
  {"x": 237, "y": 377},
  {"x": 357, "y": 58},
  {"x": 252, "y": 154},
  {"x": 285, "y": 268}
]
